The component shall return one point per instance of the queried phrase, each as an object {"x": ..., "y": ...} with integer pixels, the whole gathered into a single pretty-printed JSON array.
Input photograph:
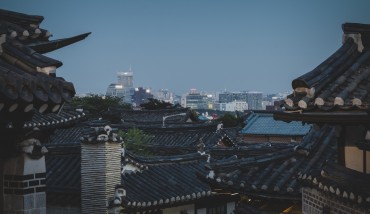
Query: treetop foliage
[
  {"x": 155, "y": 104},
  {"x": 94, "y": 105}
]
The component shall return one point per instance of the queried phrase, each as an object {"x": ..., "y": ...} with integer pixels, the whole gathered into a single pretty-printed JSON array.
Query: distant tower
[
  {"x": 124, "y": 88},
  {"x": 126, "y": 79}
]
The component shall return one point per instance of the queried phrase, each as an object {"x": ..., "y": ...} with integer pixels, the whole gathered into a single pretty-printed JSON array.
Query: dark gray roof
[
  {"x": 27, "y": 78},
  {"x": 341, "y": 82},
  {"x": 146, "y": 161},
  {"x": 273, "y": 172},
  {"x": 63, "y": 176},
  {"x": 340, "y": 182},
  {"x": 71, "y": 135},
  {"x": 174, "y": 183},
  {"x": 52, "y": 121},
  {"x": 264, "y": 124},
  {"x": 182, "y": 140}
]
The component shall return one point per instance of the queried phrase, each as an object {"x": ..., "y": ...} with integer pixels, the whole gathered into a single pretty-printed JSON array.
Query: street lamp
[{"x": 165, "y": 117}]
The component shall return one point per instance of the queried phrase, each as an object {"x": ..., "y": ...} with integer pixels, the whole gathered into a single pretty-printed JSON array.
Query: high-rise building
[
  {"x": 141, "y": 95},
  {"x": 126, "y": 79},
  {"x": 164, "y": 95},
  {"x": 254, "y": 100},
  {"x": 194, "y": 100},
  {"x": 115, "y": 90},
  {"x": 124, "y": 88}
]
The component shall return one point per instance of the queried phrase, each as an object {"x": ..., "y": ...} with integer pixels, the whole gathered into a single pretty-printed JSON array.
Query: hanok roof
[
  {"x": 273, "y": 174},
  {"x": 65, "y": 136},
  {"x": 188, "y": 138},
  {"x": 174, "y": 183},
  {"x": 182, "y": 140},
  {"x": 27, "y": 78},
  {"x": 340, "y": 182},
  {"x": 264, "y": 124},
  {"x": 63, "y": 176},
  {"x": 62, "y": 119},
  {"x": 342, "y": 81}
]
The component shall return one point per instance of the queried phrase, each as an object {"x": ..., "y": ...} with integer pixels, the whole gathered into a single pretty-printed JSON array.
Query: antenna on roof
[{"x": 129, "y": 68}]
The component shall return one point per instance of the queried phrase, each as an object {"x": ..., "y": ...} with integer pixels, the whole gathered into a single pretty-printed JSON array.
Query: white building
[
  {"x": 164, "y": 95},
  {"x": 237, "y": 106},
  {"x": 232, "y": 106}
]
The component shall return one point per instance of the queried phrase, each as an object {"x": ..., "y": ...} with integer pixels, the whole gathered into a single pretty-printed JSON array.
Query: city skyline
[{"x": 207, "y": 45}]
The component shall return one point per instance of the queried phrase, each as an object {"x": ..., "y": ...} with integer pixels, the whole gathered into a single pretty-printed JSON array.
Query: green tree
[
  {"x": 134, "y": 141},
  {"x": 231, "y": 120},
  {"x": 94, "y": 105},
  {"x": 155, "y": 104}
]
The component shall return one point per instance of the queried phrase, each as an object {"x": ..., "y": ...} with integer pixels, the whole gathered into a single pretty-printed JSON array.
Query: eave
[
  {"x": 48, "y": 46},
  {"x": 348, "y": 118}
]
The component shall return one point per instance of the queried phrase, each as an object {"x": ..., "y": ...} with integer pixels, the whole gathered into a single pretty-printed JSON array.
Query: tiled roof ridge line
[
  {"x": 161, "y": 160},
  {"x": 326, "y": 76},
  {"x": 21, "y": 18},
  {"x": 250, "y": 121},
  {"x": 250, "y": 162},
  {"x": 324, "y": 94},
  {"x": 305, "y": 80},
  {"x": 318, "y": 153}
]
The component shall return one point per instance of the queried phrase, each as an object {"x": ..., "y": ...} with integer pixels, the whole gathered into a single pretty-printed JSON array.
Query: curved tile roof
[
  {"x": 62, "y": 119},
  {"x": 179, "y": 140},
  {"x": 174, "y": 183},
  {"x": 265, "y": 124},
  {"x": 66, "y": 136},
  {"x": 158, "y": 160},
  {"x": 340, "y": 182},
  {"x": 342, "y": 81},
  {"x": 27, "y": 78},
  {"x": 274, "y": 173},
  {"x": 63, "y": 177}
]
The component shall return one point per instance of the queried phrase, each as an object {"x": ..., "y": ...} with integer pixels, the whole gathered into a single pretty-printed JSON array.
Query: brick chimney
[{"x": 100, "y": 168}]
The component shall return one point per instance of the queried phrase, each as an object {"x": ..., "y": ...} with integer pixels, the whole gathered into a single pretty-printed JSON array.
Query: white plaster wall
[
  {"x": 24, "y": 165},
  {"x": 230, "y": 207},
  {"x": 202, "y": 211},
  {"x": 354, "y": 158},
  {"x": 176, "y": 210},
  {"x": 32, "y": 166}
]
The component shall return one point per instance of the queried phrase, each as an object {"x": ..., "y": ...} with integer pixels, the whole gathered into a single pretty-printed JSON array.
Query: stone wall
[
  {"x": 317, "y": 202},
  {"x": 24, "y": 185}
]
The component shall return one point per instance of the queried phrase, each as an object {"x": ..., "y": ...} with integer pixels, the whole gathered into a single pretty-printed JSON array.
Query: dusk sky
[{"x": 209, "y": 45}]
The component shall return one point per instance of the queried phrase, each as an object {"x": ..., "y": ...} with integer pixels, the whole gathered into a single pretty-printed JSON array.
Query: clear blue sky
[{"x": 209, "y": 45}]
